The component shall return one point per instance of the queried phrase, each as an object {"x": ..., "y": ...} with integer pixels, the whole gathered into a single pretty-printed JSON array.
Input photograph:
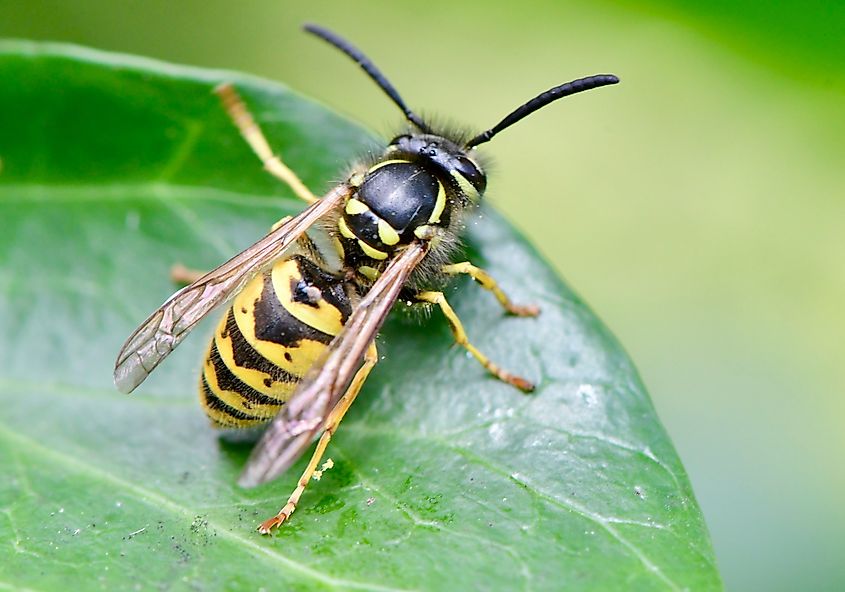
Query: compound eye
[{"x": 470, "y": 171}]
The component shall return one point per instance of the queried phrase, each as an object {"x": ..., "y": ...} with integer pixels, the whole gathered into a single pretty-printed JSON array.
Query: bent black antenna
[
  {"x": 371, "y": 70},
  {"x": 541, "y": 100}
]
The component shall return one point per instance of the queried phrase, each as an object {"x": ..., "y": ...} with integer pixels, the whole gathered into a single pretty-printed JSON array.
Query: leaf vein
[
  {"x": 193, "y": 222},
  {"x": 183, "y": 150},
  {"x": 420, "y": 521},
  {"x": 150, "y": 497},
  {"x": 569, "y": 504}
]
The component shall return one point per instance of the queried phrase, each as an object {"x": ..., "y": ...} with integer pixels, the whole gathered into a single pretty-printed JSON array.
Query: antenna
[
  {"x": 541, "y": 100},
  {"x": 371, "y": 70}
]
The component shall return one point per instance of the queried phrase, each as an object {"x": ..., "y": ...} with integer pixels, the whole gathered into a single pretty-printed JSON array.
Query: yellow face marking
[
  {"x": 356, "y": 206},
  {"x": 371, "y": 252},
  {"x": 386, "y": 233},
  {"x": 344, "y": 229},
  {"x": 438, "y": 205},
  {"x": 466, "y": 187},
  {"x": 368, "y": 272},
  {"x": 321, "y": 316}
]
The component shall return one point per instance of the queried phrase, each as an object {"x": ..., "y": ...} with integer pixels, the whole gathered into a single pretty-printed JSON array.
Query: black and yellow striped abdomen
[{"x": 275, "y": 330}]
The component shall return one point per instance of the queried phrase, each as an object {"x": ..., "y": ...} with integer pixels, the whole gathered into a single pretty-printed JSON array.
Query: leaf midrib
[
  {"x": 150, "y": 497},
  {"x": 567, "y": 504}
]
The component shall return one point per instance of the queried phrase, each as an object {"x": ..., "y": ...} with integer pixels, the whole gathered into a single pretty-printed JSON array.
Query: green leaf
[{"x": 115, "y": 168}]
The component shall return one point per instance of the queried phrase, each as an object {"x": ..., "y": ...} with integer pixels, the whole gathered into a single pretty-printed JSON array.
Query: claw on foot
[
  {"x": 522, "y": 384},
  {"x": 524, "y": 310},
  {"x": 179, "y": 274},
  {"x": 268, "y": 525}
]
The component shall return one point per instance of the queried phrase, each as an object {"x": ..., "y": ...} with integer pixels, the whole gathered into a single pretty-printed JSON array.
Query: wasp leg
[
  {"x": 488, "y": 283},
  {"x": 332, "y": 422},
  {"x": 461, "y": 339},
  {"x": 250, "y": 131},
  {"x": 179, "y": 274},
  {"x": 282, "y": 221},
  {"x": 304, "y": 244}
]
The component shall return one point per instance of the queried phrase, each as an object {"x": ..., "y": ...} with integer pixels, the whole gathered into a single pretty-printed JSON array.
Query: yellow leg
[
  {"x": 488, "y": 283},
  {"x": 461, "y": 339},
  {"x": 255, "y": 138},
  {"x": 332, "y": 422},
  {"x": 281, "y": 221}
]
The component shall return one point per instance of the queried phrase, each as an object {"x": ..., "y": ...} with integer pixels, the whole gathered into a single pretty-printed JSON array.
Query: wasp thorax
[
  {"x": 403, "y": 194},
  {"x": 395, "y": 198}
]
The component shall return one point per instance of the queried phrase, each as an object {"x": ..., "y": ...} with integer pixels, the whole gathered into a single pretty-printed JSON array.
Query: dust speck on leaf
[
  {"x": 200, "y": 530},
  {"x": 415, "y": 431}
]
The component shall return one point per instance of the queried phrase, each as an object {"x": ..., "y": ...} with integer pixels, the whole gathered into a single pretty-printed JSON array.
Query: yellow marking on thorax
[
  {"x": 357, "y": 179},
  {"x": 371, "y": 252},
  {"x": 356, "y": 206},
  {"x": 386, "y": 233},
  {"x": 371, "y": 273},
  {"x": 344, "y": 229},
  {"x": 384, "y": 163},
  {"x": 322, "y": 316},
  {"x": 439, "y": 205}
]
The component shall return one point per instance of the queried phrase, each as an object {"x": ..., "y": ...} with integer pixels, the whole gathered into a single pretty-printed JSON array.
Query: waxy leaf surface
[{"x": 115, "y": 168}]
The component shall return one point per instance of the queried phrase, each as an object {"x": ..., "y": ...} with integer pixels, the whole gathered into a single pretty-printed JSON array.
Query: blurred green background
[{"x": 699, "y": 207}]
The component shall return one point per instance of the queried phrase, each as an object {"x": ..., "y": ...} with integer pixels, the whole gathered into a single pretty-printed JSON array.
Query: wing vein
[
  {"x": 159, "y": 335},
  {"x": 304, "y": 415}
]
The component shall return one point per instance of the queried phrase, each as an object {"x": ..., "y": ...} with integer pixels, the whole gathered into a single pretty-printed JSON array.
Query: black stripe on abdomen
[
  {"x": 246, "y": 356},
  {"x": 227, "y": 381},
  {"x": 213, "y": 403},
  {"x": 275, "y": 324}
]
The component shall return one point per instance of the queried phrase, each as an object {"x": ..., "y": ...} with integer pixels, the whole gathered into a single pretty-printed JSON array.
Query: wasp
[{"x": 298, "y": 340}]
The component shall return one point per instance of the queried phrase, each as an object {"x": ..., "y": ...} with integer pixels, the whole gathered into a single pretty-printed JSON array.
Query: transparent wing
[
  {"x": 167, "y": 326},
  {"x": 294, "y": 427}
]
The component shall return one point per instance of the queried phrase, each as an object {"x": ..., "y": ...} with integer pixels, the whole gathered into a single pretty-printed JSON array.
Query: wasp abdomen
[{"x": 274, "y": 331}]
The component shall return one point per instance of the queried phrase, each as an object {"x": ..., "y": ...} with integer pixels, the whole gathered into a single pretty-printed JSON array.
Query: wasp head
[{"x": 448, "y": 159}]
